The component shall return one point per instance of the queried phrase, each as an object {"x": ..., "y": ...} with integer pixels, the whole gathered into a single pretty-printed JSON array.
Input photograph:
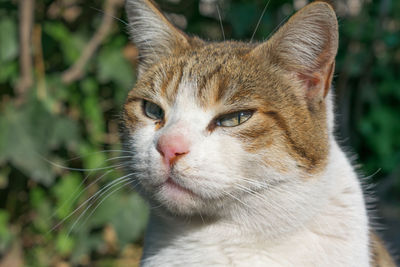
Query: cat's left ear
[
  {"x": 306, "y": 46},
  {"x": 152, "y": 33}
]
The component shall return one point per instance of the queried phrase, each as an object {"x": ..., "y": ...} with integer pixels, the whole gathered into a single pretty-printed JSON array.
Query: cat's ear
[
  {"x": 306, "y": 46},
  {"x": 152, "y": 33}
]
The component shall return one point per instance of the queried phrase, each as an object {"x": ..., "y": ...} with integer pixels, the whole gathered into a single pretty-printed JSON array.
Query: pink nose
[{"x": 172, "y": 147}]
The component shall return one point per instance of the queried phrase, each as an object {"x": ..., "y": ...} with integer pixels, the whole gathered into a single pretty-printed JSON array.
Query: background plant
[{"x": 65, "y": 69}]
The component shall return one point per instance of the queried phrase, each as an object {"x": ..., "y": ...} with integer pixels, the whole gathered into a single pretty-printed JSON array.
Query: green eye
[
  {"x": 234, "y": 119},
  {"x": 153, "y": 111}
]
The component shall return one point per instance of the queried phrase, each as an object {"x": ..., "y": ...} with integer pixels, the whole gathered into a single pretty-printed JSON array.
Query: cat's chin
[
  {"x": 177, "y": 198},
  {"x": 174, "y": 190}
]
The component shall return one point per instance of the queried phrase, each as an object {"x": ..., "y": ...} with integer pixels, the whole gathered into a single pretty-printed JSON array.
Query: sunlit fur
[{"x": 273, "y": 191}]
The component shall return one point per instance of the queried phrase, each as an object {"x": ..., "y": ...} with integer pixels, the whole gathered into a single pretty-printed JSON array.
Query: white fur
[
  {"x": 264, "y": 217},
  {"x": 336, "y": 235}
]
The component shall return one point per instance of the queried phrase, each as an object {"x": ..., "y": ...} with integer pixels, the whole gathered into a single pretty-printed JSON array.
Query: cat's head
[{"x": 215, "y": 124}]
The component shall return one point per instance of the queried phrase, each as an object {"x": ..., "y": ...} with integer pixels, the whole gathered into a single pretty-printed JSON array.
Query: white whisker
[
  {"x": 80, "y": 193},
  {"x": 98, "y": 152},
  {"x": 277, "y": 27},
  {"x": 107, "y": 196},
  {"x": 220, "y": 21},
  {"x": 259, "y": 21},
  {"x": 83, "y": 169},
  {"x": 89, "y": 199},
  {"x": 105, "y": 14},
  {"x": 97, "y": 197}
]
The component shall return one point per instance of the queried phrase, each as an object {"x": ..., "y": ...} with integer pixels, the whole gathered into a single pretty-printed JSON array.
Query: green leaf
[
  {"x": 71, "y": 44},
  {"x": 94, "y": 118},
  {"x": 42, "y": 210},
  {"x": 29, "y": 134},
  {"x": 131, "y": 220},
  {"x": 64, "y": 243},
  {"x": 9, "y": 71},
  {"x": 66, "y": 191},
  {"x": 8, "y": 40},
  {"x": 381, "y": 129},
  {"x": 91, "y": 157},
  {"x": 127, "y": 212},
  {"x": 113, "y": 67},
  {"x": 19, "y": 146},
  {"x": 5, "y": 233}
]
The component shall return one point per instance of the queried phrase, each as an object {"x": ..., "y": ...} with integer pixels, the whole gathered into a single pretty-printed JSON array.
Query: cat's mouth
[{"x": 174, "y": 187}]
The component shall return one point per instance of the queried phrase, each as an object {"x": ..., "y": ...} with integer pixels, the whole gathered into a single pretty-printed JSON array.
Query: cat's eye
[
  {"x": 234, "y": 119},
  {"x": 153, "y": 111}
]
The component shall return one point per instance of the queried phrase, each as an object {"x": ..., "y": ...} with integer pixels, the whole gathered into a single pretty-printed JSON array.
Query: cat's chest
[
  {"x": 204, "y": 253},
  {"x": 224, "y": 247},
  {"x": 200, "y": 246}
]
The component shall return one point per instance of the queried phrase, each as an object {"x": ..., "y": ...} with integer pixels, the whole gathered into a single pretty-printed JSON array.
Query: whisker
[
  {"x": 255, "y": 183},
  {"x": 254, "y": 193},
  {"x": 80, "y": 193},
  {"x": 277, "y": 27},
  {"x": 97, "y": 195},
  {"x": 119, "y": 157},
  {"x": 105, "y": 14},
  {"x": 373, "y": 174},
  {"x": 72, "y": 198},
  {"x": 82, "y": 169},
  {"x": 220, "y": 21},
  {"x": 202, "y": 219},
  {"x": 261, "y": 197},
  {"x": 107, "y": 196},
  {"x": 259, "y": 20},
  {"x": 98, "y": 152},
  {"x": 89, "y": 199},
  {"x": 232, "y": 196}
]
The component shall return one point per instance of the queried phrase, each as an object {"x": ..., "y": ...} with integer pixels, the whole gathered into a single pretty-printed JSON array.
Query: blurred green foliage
[{"x": 75, "y": 125}]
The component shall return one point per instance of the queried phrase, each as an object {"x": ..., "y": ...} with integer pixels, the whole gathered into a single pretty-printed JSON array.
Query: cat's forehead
[{"x": 216, "y": 74}]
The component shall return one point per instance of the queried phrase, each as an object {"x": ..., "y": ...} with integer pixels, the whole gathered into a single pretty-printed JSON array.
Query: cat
[{"x": 233, "y": 147}]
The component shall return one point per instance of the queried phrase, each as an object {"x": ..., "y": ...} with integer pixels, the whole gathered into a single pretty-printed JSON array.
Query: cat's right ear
[
  {"x": 152, "y": 33},
  {"x": 306, "y": 46}
]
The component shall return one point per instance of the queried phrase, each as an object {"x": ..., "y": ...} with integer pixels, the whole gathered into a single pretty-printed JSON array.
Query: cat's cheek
[
  {"x": 146, "y": 159},
  {"x": 213, "y": 168}
]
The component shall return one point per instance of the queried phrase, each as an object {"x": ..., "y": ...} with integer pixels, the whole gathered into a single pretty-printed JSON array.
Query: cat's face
[{"x": 211, "y": 124}]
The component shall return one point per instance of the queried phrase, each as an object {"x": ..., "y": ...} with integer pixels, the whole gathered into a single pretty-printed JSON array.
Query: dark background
[{"x": 65, "y": 70}]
